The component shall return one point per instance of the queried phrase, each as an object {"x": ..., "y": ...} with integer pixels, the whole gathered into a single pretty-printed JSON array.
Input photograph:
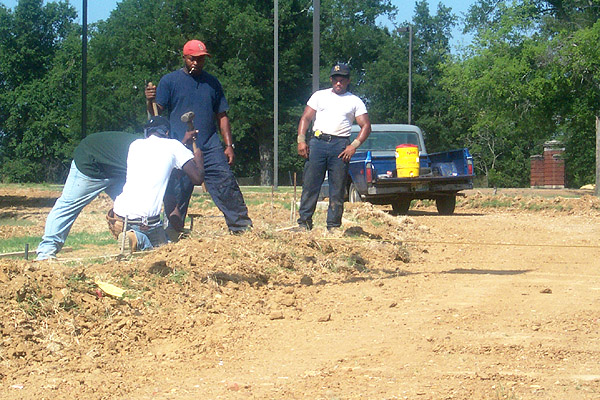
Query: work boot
[
  {"x": 333, "y": 230},
  {"x": 173, "y": 235},
  {"x": 130, "y": 244},
  {"x": 300, "y": 228},
  {"x": 240, "y": 231}
]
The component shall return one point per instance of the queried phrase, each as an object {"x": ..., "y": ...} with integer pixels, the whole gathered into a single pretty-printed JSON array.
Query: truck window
[{"x": 387, "y": 141}]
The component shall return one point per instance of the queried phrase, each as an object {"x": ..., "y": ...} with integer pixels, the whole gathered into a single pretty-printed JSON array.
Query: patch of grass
[
  {"x": 178, "y": 276},
  {"x": 267, "y": 189},
  {"x": 202, "y": 200},
  {"x": 38, "y": 186},
  {"x": 76, "y": 279},
  {"x": 258, "y": 201},
  {"x": 17, "y": 243},
  {"x": 375, "y": 222},
  {"x": 30, "y": 300},
  {"x": 32, "y": 305},
  {"x": 542, "y": 206},
  {"x": 15, "y": 222},
  {"x": 492, "y": 203},
  {"x": 75, "y": 240},
  {"x": 80, "y": 239},
  {"x": 88, "y": 261}
]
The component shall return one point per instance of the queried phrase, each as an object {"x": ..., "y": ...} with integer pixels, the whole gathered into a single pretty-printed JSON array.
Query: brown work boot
[
  {"x": 130, "y": 244},
  {"x": 299, "y": 228}
]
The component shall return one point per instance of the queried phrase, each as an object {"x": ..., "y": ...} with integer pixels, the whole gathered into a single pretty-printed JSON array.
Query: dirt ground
[{"x": 499, "y": 301}]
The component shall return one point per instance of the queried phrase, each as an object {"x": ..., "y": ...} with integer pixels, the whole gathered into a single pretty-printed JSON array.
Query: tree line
[{"x": 530, "y": 74}]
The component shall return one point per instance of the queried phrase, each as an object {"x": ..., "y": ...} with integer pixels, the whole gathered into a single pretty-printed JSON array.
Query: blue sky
[
  {"x": 97, "y": 9},
  {"x": 100, "y": 9}
]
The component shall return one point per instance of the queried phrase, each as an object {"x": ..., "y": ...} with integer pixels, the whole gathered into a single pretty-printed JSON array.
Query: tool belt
[
  {"x": 144, "y": 221},
  {"x": 326, "y": 137},
  {"x": 116, "y": 222}
]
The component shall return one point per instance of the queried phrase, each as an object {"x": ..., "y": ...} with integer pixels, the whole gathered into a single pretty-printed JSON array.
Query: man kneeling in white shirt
[{"x": 149, "y": 165}]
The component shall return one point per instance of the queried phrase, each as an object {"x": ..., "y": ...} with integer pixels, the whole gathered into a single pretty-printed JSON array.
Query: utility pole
[
  {"x": 84, "y": 71},
  {"x": 410, "y": 35},
  {"x": 276, "y": 95},
  {"x": 316, "y": 44},
  {"x": 597, "y": 191}
]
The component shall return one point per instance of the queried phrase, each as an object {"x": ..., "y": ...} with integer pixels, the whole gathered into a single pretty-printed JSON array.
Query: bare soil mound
[{"x": 417, "y": 306}]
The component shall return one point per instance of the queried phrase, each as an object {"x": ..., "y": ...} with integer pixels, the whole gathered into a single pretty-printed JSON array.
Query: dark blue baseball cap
[{"x": 157, "y": 125}]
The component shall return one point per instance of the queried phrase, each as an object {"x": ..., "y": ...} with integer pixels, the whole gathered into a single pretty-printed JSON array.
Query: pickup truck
[{"x": 373, "y": 177}]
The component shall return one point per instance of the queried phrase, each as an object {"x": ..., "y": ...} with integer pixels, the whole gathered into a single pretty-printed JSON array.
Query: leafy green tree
[
  {"x": 127, "y": 51},
  {"x": 543, "y": 48},
  {"x": 431, "y": 49},
  {"x": 38, "y": 75},
  {"x": 577, "y": 58},
  {"x": 386, "y": 77}
]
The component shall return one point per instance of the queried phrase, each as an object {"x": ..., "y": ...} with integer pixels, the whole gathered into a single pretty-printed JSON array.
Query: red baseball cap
[{"x": 195, "y": 48}]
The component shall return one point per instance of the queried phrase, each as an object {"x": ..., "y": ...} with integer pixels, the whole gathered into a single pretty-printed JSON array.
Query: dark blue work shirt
[{"x": 179, "y": 92}]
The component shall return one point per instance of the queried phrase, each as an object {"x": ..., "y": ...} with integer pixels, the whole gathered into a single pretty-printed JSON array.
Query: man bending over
[{"x": 149, "y": 164}]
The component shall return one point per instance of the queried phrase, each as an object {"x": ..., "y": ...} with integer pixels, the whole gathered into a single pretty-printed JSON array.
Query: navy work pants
[
  {"x": 323, "y": 157},
  {"x": 220, "y": 184}
]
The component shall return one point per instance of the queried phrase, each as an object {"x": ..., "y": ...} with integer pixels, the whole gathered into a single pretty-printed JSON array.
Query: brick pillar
[
  {"x": 554, "y": 165},
  {"x": 537, "y": 171}
]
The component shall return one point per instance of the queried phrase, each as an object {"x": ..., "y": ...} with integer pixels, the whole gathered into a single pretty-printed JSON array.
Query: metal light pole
[
  {"x": 316, "y": 44},
  {"x": 409, "y": 30},
  {"x": 276, "y": 95},
  {"x": 84, "y": 72}
]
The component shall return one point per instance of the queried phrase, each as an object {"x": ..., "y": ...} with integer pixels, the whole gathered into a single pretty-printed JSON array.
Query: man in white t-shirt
[
  {"x": 149, "y": 165},
  {"x": 333, "y": 110}
]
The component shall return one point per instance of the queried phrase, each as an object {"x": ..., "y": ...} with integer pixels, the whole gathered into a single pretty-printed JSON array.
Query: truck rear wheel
[
  {"x": 400, "y": 206},
  {"x": 353, "y": 195},
  {"x": 446, "y": 205}
]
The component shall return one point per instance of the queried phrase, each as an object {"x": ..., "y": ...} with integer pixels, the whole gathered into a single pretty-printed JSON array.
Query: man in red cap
[{"x": 193, "y": 89}]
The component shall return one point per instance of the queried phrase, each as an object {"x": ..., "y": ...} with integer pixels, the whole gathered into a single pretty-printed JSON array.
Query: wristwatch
[{"x": 230, "y": 145}]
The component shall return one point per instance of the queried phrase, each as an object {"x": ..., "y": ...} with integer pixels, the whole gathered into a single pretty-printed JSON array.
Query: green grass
[
  {"x": 80, "y": 239},
  {"x": 200, "y": 200},
  {"x": 540, "y": 207},
  {"x": 258, "y": 201},
  {"x": 14, "y": 244},
  {"x": 178, "y": 276},
  {"x": 32, "y": 305},
  {"x": 267, "y": 189},
  {"x": 76, "y": 279},
  {"x": 491, "y": 203},
  {"x": 75, "y": 240},
  {"x": 15, "y": 222},
  {"x": 39, "y": 186}
]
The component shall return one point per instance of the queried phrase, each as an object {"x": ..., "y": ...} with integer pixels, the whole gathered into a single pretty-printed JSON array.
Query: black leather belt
[{"x": 326, "y": 137}]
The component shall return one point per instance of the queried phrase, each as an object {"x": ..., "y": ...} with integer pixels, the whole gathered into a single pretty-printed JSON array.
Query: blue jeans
[
  {"x": 79, "y": 191},
  {"x": 220, "y": 184},
  {"x": 149, "y": 237},
  {"x": 323, "y": 157}
]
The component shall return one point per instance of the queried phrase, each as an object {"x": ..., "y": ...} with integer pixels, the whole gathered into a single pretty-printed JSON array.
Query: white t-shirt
[
  {"x": 149, "y": 165},
  {"x": 335, "y": 113}
]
